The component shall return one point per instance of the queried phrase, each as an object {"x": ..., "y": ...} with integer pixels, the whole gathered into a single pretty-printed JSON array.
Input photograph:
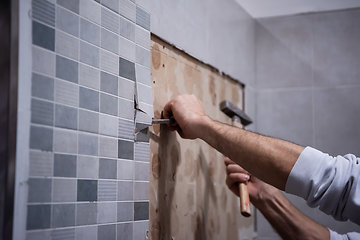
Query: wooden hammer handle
[{"x": 243, "y": 189}]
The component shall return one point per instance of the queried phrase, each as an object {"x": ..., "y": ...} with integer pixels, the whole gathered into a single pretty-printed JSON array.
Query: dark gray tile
[
  {"x": 86, "y": 214},
  {"x": 89, "y": 99},
  {"x": 141, "y": 211},
  {"x": 64, "y": 190},
  {"x": 41, "y": 138},
  {"x": 110, "y": 20},
  {"x": 63, "y": 215},
  {"x": 126, "y": 109},
  {"x": 142, "y": 18},
  {"x": 87, "y": 190},
  {"x": 108, "y": 104},
  {"x": 38, "y": 217},
  {"x": 64, "y": 165},
  {"x": 88, "y": 121},
  {"x": 66, "y": 117},
  {"x": 143, "y": 56},
  {"x": 88, "y": 144},
  {"x": 109, "y": 83},
  {"x": 42, "y": 87},
  {"x": 125, "y": 211},
  {"x": 109, "y": 41},
  {"x": 127, "y": 69},
  {"x": 126, "y": 149},
  {"x": 72, "y": 5},
  {"x": 43, "y": 36},
  {"x": 67, "y": 69},
  {"x": 67, "y": 21},
  {"x": 43, "y": 11},
  {"x": 112, "y": 4},
  {"x": 42, "y": 112},
  {"x": 126, "y": 230},
  {"x": 107, "y": 232},
  {"x": 89, "y": 32},
  {"x": 39, "y": 190},
  {"x": 126, "y": 89},
  {"x": 125, "y": 191},
  {"x": 89, "y": 54},
  {"x": 107, "y": 168},
  {"x": 127, "y": 29},
  {"x": 128, "y": 9}
]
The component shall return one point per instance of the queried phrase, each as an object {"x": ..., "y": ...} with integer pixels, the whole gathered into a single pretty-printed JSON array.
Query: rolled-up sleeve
[
  {"x": 329, "y": 182},
  {"x": 347, "y": 236}
]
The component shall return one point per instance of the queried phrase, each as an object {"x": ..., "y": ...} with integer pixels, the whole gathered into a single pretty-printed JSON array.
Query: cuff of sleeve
[{"x": 299, "y": 180}]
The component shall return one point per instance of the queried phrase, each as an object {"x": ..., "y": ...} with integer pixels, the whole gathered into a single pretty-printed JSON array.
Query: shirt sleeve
[
  {"x": 329, "y": 182},
  {"x": 347, "y": 236}
]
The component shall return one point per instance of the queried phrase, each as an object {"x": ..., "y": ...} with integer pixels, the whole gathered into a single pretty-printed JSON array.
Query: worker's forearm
[{"x": 267, "y": 158}]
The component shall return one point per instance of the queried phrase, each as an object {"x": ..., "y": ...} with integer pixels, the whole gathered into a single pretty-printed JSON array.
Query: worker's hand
[
  {"x": 259, "y": 191},
  {"x": 189, "y": 114}
]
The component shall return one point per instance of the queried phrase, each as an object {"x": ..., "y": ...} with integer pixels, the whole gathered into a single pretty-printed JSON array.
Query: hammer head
[{"x": 231, "y": 110}]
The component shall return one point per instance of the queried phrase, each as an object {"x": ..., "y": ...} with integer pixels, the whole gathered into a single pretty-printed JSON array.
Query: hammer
[{"x": 239, "y": 119}]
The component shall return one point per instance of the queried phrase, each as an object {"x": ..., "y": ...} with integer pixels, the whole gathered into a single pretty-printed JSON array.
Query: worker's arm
[{"x": 269, "y": 158}]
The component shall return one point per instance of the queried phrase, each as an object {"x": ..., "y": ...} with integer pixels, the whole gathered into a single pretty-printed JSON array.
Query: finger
[
  {"x": 228, "y": 161},
  {"x": 234, "y": 178},
  {"x": 234, "y": 168}
]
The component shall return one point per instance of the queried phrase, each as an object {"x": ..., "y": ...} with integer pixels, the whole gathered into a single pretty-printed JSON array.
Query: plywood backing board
[{"x": 188, "y": 195}]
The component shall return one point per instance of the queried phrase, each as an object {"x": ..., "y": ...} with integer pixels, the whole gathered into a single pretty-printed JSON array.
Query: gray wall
[{"x": 308, "y": 89}]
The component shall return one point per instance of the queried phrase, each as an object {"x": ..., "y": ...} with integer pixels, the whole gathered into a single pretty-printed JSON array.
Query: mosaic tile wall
[{"x": 89, "y": 168}]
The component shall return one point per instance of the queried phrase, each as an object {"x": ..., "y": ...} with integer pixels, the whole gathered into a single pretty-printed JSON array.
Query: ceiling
[{"x": 274, "y": 8}]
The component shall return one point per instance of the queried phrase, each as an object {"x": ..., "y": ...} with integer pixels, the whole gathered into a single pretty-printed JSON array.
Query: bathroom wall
[
  {"x": 308, "y": 89},
  {"x": 82, "y": 172}
]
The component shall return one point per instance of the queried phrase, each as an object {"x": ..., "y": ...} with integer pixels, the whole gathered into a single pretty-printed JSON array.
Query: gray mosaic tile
[
  {"x": 108, "y": 104},
  {"x": 86, "y": 214},
  {"x": 66, "y": 93},
  {"x": 66, "y": 45},
  {"x": 43, "y": 36},
  {"x": 126, "y": 129},
  {"x": 64, "y": 190},
  {"x": 144, "y": 94},
  {"x": 41, "y": 163},
  {"x": 89, "y": 32},
  {"x": 126, "y": 89},
  {"x": 88, "y": 233},
  {"x": 108, "y": 125},
  {"x": 67, "y": 21},
  {"x": 65, "y": 141},
  {"x": 145, "y": 4},
  {"x": 86, "y": 190},
  {"x": 107, "y": 168},
  {"x": 88, "y": 121},
  {"x": 141, "y": 211},
  {"x": 63, "y": 215},
  {"x": 43, "y": 11},
  {"x": 140, "y": 229},
  {"x": 110, "y": 20},
  {"x": 109, "y": 62},
  {"x": 42, "y": 87},
  {"x": 38, "y": 217},
  {"x": 141, "y": 191},
  {"x": 89, "y": 77},
  {"x": 127, "y": 69},
  {"x": 39, "y": 190},
  {"x": 142, "y": 133},
  {"x": 66, "y": 117},
  {"x": 67, "y": 69},
  {"x": 127, "y": 49},
  {"x": 87, "y": 167},
  {"x": 109, "y": 83},
  {"x": 112, "y": 4},
  {"x": 126, "y": 109},
  {"x": 43, "y": 235},
  {"x": 127, "y": 29},
  {"x": 107, "y": 190},
  {"x": 107, "y": 212},
  {"x": 143, "y": 75},
  {"x": 126, "y": 149},
  {"x": 107, "y": 231},
  {"x": 142, "y": 152},
  {"x": 43, "y": 61},
  {"x": 128, "y": 9},
  {"x": 125, "y": 191},
  {"x": 125, "y": 211},
  {"x": 64, "y": 165},
  {"x": 63, "y": 234},
  {"x": 142, "y": 171},
  {"x": 142, "y": 117},
  {"x": 89, "y": 54},
  {"x": 89, "y": 99},
  {"x": 142, "y": 18},
  {"x": 90, "y": 10},
  {"x": 41, "y": 138},
  {"x": 109, "y": 41},
  {"x": 126, "y": 230},
  {"x": 72, "y": 5},
  {"x": 125, "y": 170},
  {"x": 143, "y": 56},
  {"x": 108, "y": 147},
  {"x": 142, "y": 37},
  {"x": 88, "y": 144},
  {"x": 42, "y": 112}
]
